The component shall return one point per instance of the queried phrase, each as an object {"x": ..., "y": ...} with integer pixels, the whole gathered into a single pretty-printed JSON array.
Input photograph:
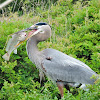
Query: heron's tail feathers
[{"x": 6, "y": 57}]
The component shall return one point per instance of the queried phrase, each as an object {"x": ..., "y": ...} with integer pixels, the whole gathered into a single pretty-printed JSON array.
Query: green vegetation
[{"x": 75, "y": 31}]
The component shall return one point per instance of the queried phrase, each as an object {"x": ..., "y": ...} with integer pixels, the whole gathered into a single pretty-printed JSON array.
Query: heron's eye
[{"x": 42, "y": 32}]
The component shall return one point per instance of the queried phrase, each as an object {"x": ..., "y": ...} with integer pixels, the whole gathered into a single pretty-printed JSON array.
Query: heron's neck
[{"x": 32, "y": 49}]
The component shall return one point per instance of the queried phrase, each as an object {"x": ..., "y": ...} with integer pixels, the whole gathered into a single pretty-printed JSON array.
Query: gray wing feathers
[{"x": 65, "y": 68}]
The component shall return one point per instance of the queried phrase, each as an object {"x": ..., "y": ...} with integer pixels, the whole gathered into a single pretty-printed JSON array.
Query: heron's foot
[{"x": 48, "y": 58}]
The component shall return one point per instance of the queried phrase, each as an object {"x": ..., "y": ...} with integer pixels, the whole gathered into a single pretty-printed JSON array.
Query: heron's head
[{"x": 41, "y": 31}]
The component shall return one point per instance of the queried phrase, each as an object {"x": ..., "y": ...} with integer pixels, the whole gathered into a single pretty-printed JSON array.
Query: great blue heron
[{"x": 59, "y": 67}]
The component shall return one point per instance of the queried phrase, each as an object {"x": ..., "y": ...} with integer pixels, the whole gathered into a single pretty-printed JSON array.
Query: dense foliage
[{"x": 75, "y": 31}]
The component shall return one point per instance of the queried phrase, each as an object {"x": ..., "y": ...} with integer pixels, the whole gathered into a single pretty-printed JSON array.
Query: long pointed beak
[
  {"x": 32, "y": 33},
  {"x": 30, "y": 28},
  {"x": 27, "y": 29}
]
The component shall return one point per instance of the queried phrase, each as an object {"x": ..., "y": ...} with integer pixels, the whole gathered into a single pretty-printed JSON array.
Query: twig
[{"x": 5, "y": 3}]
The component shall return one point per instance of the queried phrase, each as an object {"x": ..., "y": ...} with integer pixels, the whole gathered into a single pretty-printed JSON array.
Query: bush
[{"x": 75, "y": 31}]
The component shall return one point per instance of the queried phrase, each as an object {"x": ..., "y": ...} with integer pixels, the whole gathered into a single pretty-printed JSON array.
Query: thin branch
[{"x": 5, "y": 3}]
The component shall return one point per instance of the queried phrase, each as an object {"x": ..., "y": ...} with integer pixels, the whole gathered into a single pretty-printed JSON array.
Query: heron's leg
[{"x": 60, "y": 87}]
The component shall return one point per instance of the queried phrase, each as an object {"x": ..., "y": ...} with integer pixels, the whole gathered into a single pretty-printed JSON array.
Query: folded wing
[{"x": 65, "y": 68}]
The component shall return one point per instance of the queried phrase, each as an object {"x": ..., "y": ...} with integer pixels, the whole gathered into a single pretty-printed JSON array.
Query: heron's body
[
  {"x": 59, "y": 66},
  {"x": 56, "y": 65}
]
